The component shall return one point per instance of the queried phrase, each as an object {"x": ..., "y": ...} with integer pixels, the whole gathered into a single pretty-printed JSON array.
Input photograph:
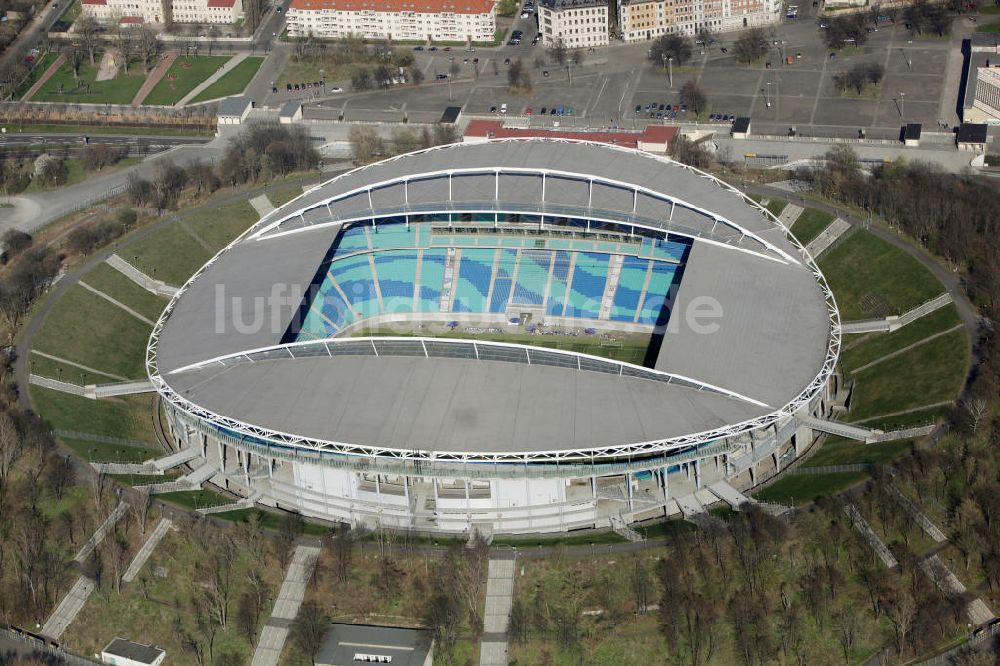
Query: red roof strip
[
  {"x": 494, "y": 129},
  {"x": 94, "y": 2},
  {"x": 221, "y": 3},
  {"x": 417, "y": 6},
  {"x": 131, "y": 19}
]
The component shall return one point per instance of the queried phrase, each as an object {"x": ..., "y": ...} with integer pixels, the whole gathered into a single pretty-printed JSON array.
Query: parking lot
[{"x": 920, "y": 83}]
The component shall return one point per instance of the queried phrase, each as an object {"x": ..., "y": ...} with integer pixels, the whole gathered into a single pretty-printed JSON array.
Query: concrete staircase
[{"x": 827, "y": 237}]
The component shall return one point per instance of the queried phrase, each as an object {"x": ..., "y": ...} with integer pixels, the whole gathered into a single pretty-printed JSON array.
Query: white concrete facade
[
  {"x": 156, "y": 11},
  {"x": 577, "y": 24},
  {"x": 472, "y": 21},
  {"x": 648, "y": 19}
]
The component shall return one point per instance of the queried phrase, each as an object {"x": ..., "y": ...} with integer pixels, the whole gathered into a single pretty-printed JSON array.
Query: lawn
[
  {"x": 171, "y": 254},
  {"x": 989, "y": 27},
  {"x": 218, "y": 227},
  {"x": 105, "y": 452},
  {"x": 126, "y": 417},
  {"x": 87, "y": 329},
  {"x": 871, "y": 278},
  {"x": 195, "y": 499},
  {"x": 47, "y": 367},
  {"x": 802, "y": 488},
  {"x": 810, "y": 224},
  {"x": 849, "y": 452},
  {"x": 268, "y": 520},
  {"x": 119, "y": 90},
  {"x": 861, "y": 352},
  {"x": 119, "y": 287},
  {"x": 917, "y": 417},
  {"x": 143, "y": 479},
  {"x": 233, "y": 82},
  {"x": 41, "y": 66},
  {"x": 582, "y": 539},
  {"x": 776, "y": 206},
  {"x": 184, "y": 75},
  {"x": 279, "y": 196},
  {"x": 931, "y": 373}
]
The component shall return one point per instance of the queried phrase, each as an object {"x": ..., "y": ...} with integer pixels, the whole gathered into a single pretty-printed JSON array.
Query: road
[{"x": 30, "y": 36}]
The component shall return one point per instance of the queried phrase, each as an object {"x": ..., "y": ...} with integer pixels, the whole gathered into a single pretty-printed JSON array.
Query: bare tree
[
  {"x": 308, "y": 629},
  {"x": 117, "y": 555},
  {"x": 141, "y": 505},
  {"x": 902, "y": 611},
  {"x": 10, "y": 446},
  {"x": 88, "y": 34},
  {"x": 976, "y": 409},
  {"x": 848, "y": 624},
  {"x": 147, "y": 46},
  {"x": 123, "y": 38}
]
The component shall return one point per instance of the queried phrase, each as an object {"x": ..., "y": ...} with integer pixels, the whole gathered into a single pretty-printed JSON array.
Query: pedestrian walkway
[
  {"x": 896, "y": 322},
  {"x": 262, "y": 205},
  {"x": 118, "y": 304},
  {"x": 691, "y": 507},
  {"x": 827, "y": 237},
  {"x": 725, "y": 492},
  {"x": 147, "y": 549},
  {"x": 68, "y": 608},
  {"x": 861, "y": 525},
  {"x": 499, "y": 598},
  {"x": 166, "y": 60},
  {"x": 175, "y": 459},
  {"x": 101, "y": 532},
  {"x": 789, "y": 215},
  {"x": 977, "y": 610},
  {"x": 55, "y": 385},
  {"x": 158, "y": 287},
  {"x": 46, "y": 75},
  {"x": 932, "y": 530},
  {"x": 286, "y": 606},
  {"x": 222, "y": 71},
  {"x": 894, "y": 354}
]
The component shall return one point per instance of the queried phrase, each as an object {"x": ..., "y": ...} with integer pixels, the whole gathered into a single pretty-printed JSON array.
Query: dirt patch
[{"x": 108, "y": 67}]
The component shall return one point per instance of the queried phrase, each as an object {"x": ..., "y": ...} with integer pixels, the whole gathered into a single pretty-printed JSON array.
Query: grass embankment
[
  {"x": 185, "y": 74},
  {"x": 802, "y": 488},
  {"x": 811, "y": 224},
  {"x": 66, "y": 88},
  {"x": 233, "y": 82}
]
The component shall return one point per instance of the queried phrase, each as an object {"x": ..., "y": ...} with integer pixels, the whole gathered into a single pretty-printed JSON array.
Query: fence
[
  {"x": 977, "y": 638},
  {"x": 38, "y": 645},
  {"x": 833, "y": 469}
]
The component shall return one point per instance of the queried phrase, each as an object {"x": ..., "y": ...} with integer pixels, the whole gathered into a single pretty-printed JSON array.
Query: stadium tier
[
  {"x": 368, "y": 277},
  {"x": 518, "y": 336}
]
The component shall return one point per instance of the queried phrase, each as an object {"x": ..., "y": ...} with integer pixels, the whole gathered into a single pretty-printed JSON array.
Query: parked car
[
  {"x": 542, "y": 112},
  {"x": 493, "y": 109},
  {"x": 336, "y": 89},
  {"x": 418, "y": 48},
  {"x": 545, "y": 72},
  {"x": 503, "y": 108},
  {"x": 288, "y": 87},
  {"x": 529, "y": 112},
  {"x": 441, "y": 77},
  {"x": 638, "y": 108}
]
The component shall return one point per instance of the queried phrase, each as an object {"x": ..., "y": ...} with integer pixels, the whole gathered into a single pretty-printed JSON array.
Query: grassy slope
[
  {"x": 802, "y": 488},
  {"x": 105, "y": 452},
  {"x": 776, "y": 206},
  {"x": 233, "y": 82},
  {"x": 845, "y": 452},
  {"x": 195, "y": 499},
  {"x": 119, "y": 90},
  {"x": 119, "y": 287},
  {"x": 866, "y": 266},
  {"x": 171, "y": 255},
  {"x": 931, "y": 373},
  {"x": 128, "y": 417},
  {"x": 875, "y": 346},
  {"x": 87, "y": 329},
  {"x": 189, "y": 72},
  {"x": 810, "y": 224},
  {"x": 220, "y": 226}
]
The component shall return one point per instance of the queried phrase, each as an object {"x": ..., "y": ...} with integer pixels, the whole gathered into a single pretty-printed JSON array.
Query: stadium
[{"x": 515, "y": 336}]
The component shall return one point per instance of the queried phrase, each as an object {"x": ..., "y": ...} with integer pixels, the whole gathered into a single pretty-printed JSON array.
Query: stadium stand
[{"x": 392, "y": 267}]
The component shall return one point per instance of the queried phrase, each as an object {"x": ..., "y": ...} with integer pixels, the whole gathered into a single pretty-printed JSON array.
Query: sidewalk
[{"x": 154, "y": 77}]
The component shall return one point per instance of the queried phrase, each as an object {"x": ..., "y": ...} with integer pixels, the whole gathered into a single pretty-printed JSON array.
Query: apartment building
[
  {"x": 155, "y": 11},
  {"x": 647, "y": 19},
  {"x": 421, "y": 20},
  {"x": 577, "y": 23}
]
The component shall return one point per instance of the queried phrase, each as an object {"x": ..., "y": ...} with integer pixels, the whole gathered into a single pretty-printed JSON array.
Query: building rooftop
[
  {"x": 348, "y": 644},
  {"x": 741, "y": 125},
  {"x": 912, "y": 132},
  {"x": 221, "y": 3},
  {"x": 290, "y": 108},
  {"x": 769, "y": 345},
  {"x": 494, "y": 129},
  {"x": 144, "y": 654},
  {"x": 234, "y": 106},
  {"x": 395, "y": 6},
  {"x": 973, "y": 133},
  {"x": 558, "y": 5}
]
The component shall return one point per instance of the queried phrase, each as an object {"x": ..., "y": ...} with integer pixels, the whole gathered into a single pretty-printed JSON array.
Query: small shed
[
  {"x": 911, "y": 134},
  {"x": 450, "y": 115},
  {"x": 234, "y": 110},
  {"x": 122, "y": 652},
  {"x": 972, "y": 137},
  {"x": 741, "y": 128},
  {"x": 291, "y": 112}
]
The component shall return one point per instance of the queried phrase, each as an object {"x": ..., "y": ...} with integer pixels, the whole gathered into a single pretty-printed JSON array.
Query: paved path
[
  {"x": 861, "y": 525},
  {"x": 46, "y": 75},
  {"x": 790, "y": 213},
  {"x": 147, "y": 549},
  {"x": 499, "y": 597},
  {"x": 157, "y": 287},
  {"x": 932, "y": 530},
  {"x": 286, "y": 606},
  {"x": 827, "y": 237},
  {"x": 118, "y": 304},
  {"x": 68, "y": 608},
  {"x": 101, "y": 532},
  {"x": 85, "y": 368},
  {"x": 56, "y": 385},
  {"x": 154, "y": 77},
  {"x": 262, "y": 205},
  {"x": 942, "y": 403},
  {"x": 218, "y": 74},
  {"x": 977, "y": 610}
]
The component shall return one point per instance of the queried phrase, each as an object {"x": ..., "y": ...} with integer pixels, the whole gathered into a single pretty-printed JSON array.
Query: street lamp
[
  {"x": 902, "y": 101},
  {"x": 767, "y": 95}
]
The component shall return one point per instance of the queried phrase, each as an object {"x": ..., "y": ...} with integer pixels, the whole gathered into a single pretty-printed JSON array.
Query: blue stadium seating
[
  {"x": 396, "y": 270},
  {"x": 629, "y": 290},
  {"x": 354, "y": 275},
  {"x": 517, "y": 277},
  {"x": 475, "y": 270},
  {"x": 590, "y": 276},
  {"x": 431, "y": 279}
]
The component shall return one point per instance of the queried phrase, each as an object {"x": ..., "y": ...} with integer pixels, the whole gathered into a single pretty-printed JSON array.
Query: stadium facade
[{"x": 516, "y": 336}]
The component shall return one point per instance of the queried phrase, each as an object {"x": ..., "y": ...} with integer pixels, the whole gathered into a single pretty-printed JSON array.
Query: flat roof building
[
  {"x": 973, "y": 137},
  {"x": 122, "y": 652},
  {"x": 421, "y": 20},
  {"x": 574, "y": 23},
  {"x": 354, "y": 644},
  {"x": 653, "y": 139},
  {"x": 155, "y": 11}
]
